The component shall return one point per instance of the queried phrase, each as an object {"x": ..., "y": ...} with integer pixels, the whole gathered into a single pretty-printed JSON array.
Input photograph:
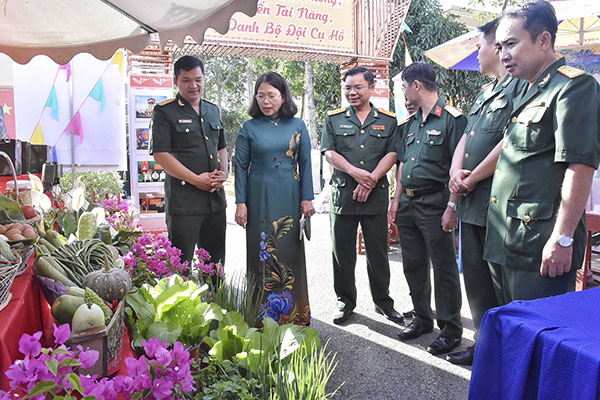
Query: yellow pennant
[
  {"x": 37, "y": 137},
  {"x": 118, "y": 59}
]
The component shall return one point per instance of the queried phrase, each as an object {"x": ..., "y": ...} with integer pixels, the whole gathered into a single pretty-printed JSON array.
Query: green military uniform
[
  {"x": 362, "y": 145},
  {"x": 554, "y": 124},
  {"x": 486, "y": 121},
  {"x": 426, "y": 153},
  {"x": 194, "y": 217}
]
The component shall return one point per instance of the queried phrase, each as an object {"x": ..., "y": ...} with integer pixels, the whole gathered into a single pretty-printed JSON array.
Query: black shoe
[
  {"x": 414, "y": 330},
  {"x": 390, "y": 314},
  {"x": 341, "y": 313},
  {"x": 462, "y": 357},
  {"x": 443, "y": 344}
]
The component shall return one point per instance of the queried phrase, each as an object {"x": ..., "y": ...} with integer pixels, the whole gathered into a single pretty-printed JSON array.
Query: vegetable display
[{"x": 110, "y": 283}]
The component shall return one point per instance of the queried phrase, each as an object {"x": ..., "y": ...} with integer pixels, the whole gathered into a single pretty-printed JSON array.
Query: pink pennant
[
  {"x": 75, "y": 126},
  {"x": 66, "y": 67}
]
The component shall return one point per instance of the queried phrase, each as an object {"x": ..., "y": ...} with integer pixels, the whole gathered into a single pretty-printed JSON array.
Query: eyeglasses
[
  {"x": 270, "y": 97},
  {"x": 357, "y": 88}
]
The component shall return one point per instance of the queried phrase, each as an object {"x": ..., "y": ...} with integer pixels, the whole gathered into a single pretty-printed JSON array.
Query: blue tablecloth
[{"x": 541, "y": 349}]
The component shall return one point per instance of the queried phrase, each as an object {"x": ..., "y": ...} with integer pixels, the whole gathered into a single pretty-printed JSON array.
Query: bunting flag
[
  {"x": 53, "y": 103},
  {"x": 98, "y": 93},
  {"x": 118, "y": 59},
  {"x": 37, "y": 137},
  {"x": 66, "y": 67},
  {"x": 75, "y": 126}
]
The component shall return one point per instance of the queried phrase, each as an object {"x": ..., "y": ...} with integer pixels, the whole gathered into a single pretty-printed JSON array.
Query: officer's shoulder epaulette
[
  {"x": 386, "y": 112},
  {"x": 209, "y": 102},
  {"x": 403, "y": 121},
  {"x": 570, "y": 72},
  {"x": 336, "y": 111},
  {"x": 455, "y": 112},
  {"x": 163, "y": 103}
]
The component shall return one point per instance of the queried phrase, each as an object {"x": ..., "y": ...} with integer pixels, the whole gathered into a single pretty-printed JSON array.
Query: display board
[{"x": 146, "y": 176}]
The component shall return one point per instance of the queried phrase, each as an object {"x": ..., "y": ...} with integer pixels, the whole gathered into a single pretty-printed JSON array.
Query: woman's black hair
[{"x": 288, "y": 108}]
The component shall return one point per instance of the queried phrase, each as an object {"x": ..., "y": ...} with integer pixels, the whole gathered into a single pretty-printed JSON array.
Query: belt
[{"x": 423, "y": 190}]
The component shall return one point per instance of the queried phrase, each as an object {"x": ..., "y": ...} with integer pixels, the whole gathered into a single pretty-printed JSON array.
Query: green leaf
[
  {"x": 69, "y": 362},
  {"x": 52, "y": 366},
  {"x": 60, "y": 351},
  {"x": 75, "y": 381},
  {"x": 144, "y": 310},
  {"x": 230, "y": 344},
  {"x": 69, "y": 224},
  {"x": 41, "y": 388},
  {"x": 163, "y": 331},
  {"x": 89, "y": 398}
]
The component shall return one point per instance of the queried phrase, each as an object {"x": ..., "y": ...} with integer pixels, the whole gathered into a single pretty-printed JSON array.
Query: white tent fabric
[{"x": 61, "y": 29}]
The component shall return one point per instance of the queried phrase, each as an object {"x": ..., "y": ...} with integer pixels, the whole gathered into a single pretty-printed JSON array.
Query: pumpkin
[{"x": 109, "y": 283}]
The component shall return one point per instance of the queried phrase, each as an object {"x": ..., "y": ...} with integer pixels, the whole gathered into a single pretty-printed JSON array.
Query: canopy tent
[
  {"x": 578, "y": 26},
  {"x": 61, "y": 29}
]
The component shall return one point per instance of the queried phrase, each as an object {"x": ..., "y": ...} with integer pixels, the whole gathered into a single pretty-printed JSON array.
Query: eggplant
[{"x": 52, "y": 288}]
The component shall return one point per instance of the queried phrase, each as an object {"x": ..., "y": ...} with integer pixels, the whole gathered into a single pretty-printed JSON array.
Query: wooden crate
[{"x": 107, "y": 341}]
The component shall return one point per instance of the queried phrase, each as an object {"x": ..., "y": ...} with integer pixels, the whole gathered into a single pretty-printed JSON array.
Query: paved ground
[{"x": 373, "y": 363}]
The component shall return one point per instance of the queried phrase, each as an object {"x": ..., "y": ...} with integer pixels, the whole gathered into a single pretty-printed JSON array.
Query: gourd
[
  {"x": 109, "y": 283},
  {"x": 87, "y": 316},
  {"x": 65, "y": 306},
  {"x": 87, "y": 226}
]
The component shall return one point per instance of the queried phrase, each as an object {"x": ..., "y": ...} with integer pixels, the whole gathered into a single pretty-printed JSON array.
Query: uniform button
[
  {"x": 466, "y": 155},
  {"x": 206, "y": 137},
  {"x": 472, "y": 133},
  {"x": 362, "y": 163},
  {"x": 505, "y": 146},
  {"x": 345, "y": 133},
  {"x": 527, "y": 219},
  {"x": 201, "y": 119},
  {"x": 421, "y": 125},
  {"x": 494, "y": 200},
  {"x": 210, "y": 155},
  {"x": 187, "y": 130},
  {"x": 182, "y": 183},
  {"x": 408, "y": 176},
  {"x": 431, "y": 142},
  {"x": 412, "y": 159},
  {"x": 513, "y": 119},
  {"x": 418, "y": 142},
  {"x": 362, "y": 146},
  {"x": 383, "y": 185},
  {"x": 379, "y": 135},
  {"x": 362, "y": 131}
]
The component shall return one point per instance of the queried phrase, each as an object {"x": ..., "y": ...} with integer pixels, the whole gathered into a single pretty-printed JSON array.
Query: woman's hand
[
  {"x": 241, "y": 215},
  {"x": 307, "y": 209}
]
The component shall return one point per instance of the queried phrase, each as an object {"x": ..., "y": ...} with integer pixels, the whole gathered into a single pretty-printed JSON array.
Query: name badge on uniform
[
  {"x": 433, "y": 132},
  {"x": 346, "y": 126},
  {"x": 184, "y": 121},
  {"x": 410, "y": 134},
  {"x": 379, "y": 127}
]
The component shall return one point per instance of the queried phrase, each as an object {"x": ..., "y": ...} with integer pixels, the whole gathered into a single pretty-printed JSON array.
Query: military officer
[
  {"x": 360, "y": 143},
  {"x": 425, "y": 209},
  {"x": 536, "y": 222},
  {"x": 187, "y": 139},
  {"x": 471, "y": 173}
]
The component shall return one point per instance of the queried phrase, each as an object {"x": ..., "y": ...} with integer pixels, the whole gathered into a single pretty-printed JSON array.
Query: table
[
  {"x": 540, "y": 349},
  {"x": 29, "y": 312}
]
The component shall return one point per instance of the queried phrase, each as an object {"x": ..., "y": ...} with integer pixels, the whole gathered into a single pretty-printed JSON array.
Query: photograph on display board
[
  {"x": 150, "y": 172},
  {"x": 142, "y": 137},
  {"x": 152, "y": 202},
  {"x": 144, "y": 104}
]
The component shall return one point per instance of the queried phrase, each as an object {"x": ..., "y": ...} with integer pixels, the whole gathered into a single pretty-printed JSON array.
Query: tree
[
  {"x": 310, "y": 102},
  {"x": 430, "y": 28}
]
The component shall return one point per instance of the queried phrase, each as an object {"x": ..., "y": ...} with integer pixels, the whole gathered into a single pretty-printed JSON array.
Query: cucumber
[
  {"x": 52, "y": 237},
  {"x": 44, "y": 268},
  {"x": 6, "y": 251},
  {"x": 76, "y": 291},
  {"x": 65, "y": 306}
]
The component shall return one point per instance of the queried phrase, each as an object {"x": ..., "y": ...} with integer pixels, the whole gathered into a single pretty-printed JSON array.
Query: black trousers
[{"x": 206, "y": 231}]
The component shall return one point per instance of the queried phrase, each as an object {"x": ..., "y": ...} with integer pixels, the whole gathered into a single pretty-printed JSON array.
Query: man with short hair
[
  {"x": 187, "y": 139},
  {"x": 471, "y": 174},
  {"x": 423, "y": 208},
  {"x": 360, "y": 143},
  {"x": 536, "y": 232}
]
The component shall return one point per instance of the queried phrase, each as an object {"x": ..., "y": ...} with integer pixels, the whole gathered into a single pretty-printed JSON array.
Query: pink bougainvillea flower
[
  {"x": 61, "y": 333},
  {"x": 30, "y": 345},
  {"x": 87, "y": 358}
]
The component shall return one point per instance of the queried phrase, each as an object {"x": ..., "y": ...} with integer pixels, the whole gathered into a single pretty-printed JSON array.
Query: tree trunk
[
  {"x": 310, "y": 102},
  {"x": 219, "y": 76},
  {"x": 250, "y": 79}
]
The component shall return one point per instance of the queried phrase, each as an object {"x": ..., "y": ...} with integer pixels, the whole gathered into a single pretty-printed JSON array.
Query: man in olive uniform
[
  {"x": 360, "y": 143},
  {"x": 471, "y": 173},
  {"x": 425, "y": 209},
  {"x": 188, "y": 141},
  {"x": 536, "y": 232}
]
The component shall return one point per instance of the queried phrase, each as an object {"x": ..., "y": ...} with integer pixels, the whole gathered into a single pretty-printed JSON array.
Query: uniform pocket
[
  {"x": 433, "y": 149},
  {"x": 530, "y": 128},
  {"x": 530, "y": 223},
  {"x": 345, "y": 139},
  {"x": 377, "y": 139},
  {"x": 497, "y": 114},
  {"x": 184, "y": 136}
]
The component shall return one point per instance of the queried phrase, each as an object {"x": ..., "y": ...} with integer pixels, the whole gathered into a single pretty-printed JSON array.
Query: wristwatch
[
  {"x": 452, "y": 205},
  {"x": 564, "y": 241}
]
